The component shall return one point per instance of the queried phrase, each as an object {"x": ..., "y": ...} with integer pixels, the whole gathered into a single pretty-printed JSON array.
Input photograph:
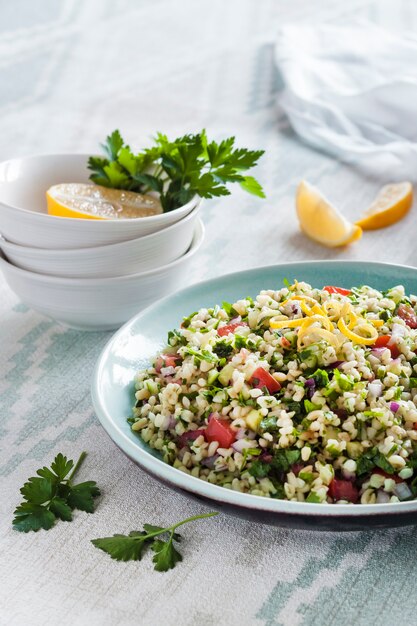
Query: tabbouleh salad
[{"x": 301, "y": 394}]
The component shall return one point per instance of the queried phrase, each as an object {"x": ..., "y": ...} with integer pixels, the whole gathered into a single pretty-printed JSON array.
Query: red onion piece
[
  {"x": 296, "y": 468},
  {"x": 335, "y": 365},
  {"x": 209, "y": 461},
  {"x": 377, "y": 352},
  {"x": 241, "y": 433},
  {"x": 402, "y": 491},
  {"x": 341, "y": 413},
  {"x": 190, "y": 436},
  {"x": 311, "y": 387},
  {"x": 382, "y": 497},
  {"x": 394, "y": 406}
]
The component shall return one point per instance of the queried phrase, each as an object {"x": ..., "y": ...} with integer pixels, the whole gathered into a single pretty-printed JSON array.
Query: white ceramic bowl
[
  {"x": 99, "y": 303},
  {"x": 23, "y": 215},
  {"x": 119, "y": 259}
]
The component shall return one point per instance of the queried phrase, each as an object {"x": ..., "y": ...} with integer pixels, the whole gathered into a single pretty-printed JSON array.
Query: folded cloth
[{"x": 352, "y": 90}]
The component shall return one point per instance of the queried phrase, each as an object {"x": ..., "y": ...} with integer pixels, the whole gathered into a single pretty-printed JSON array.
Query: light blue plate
[{"x": 134, "y": 345}]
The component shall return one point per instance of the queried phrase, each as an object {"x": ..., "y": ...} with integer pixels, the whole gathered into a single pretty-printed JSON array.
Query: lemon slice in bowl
[
  {"x": 391, "y": 204},
  {"x": 91, "y": 201},
  {"x": 321, "y": 221}
]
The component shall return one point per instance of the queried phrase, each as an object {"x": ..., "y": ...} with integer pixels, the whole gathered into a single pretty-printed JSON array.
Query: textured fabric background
[{"x": 70, "y": 72}]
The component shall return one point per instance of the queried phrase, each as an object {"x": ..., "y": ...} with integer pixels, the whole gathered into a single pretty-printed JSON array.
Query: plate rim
[{"x": 157, "y": 468}]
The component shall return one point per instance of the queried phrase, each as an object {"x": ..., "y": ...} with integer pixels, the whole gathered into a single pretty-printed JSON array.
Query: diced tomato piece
[
  {"x": 166, "y": 360},
  {"x": 386, "y": 341},
  {"x": 190, "y": 435},
  {"x": 285, "y": 343},
  {"x": 381, "y": 472},
  {"x": 220, "y": 430},
  {"x": 382, "y": 341},
  {"x": 339, "y": 290},
  {"x": 407, "y": 313},
  {"x": 229, "y": 328},
  {"x": 261, "y": 378},
  {"x": 343, "y": 490}
]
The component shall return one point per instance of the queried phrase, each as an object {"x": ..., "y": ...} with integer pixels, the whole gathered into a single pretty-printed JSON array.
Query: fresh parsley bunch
[
  {"x": 51, "y": 495},
  {"x": 130, "y": 547},
  {"x": 177, "y": 170}
]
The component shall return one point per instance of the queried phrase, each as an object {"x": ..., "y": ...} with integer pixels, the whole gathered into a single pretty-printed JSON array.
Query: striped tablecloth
[{"x": 70, "y": 72}]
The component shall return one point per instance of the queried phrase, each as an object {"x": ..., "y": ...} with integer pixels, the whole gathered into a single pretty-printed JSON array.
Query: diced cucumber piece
[
  {"x": 354, "y": 449},
  {"x": 253, "y": 419},
  {"x": 307, "y": 476},
  {"x": 151, "y": 386},
  {"x": 212, "y": 376},
  {"x": 226, "y": 374}
]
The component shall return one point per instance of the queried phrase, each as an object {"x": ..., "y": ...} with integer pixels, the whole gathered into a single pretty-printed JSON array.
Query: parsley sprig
[
  {"x": 130, "y": 547},
  {"x": 177, "y": 170},
  {"x": 51, "y": 495}
]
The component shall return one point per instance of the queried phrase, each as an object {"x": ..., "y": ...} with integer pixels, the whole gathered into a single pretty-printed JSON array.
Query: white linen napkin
[{"x": 352, "y": 91}]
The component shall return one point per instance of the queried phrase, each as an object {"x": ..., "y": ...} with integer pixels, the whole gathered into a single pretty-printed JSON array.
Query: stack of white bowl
[{"x": 86, "y": 273}]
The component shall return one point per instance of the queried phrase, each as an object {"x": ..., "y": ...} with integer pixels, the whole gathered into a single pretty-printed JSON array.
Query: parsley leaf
[
  {"x": 187, "y": 320},
  {"x": 201, "y": 355},
  {"x": 381, "y": 462},
  {"x": 366, "y": 463},
  {"x": 130, "y": 547},
  {"x": 283, "y": 459},
  {"x": 226, "y": 306},
  {"x": 293, "y": 405},
  {"x": 51, "y": 495},
  {"x": 259, "y": 469},
  {"x": 251, "y": 185},
  {"x": 223, "y": 349},
  {"x": 113, "y": 144},
  {"x": 166, "y": 556},
  {"x": 29, "y": 516},
  {"x": 123, "y": 547},
  {"x": 37, "y": 490},
  {"x": 61, "y": 509},
  {"x": 82, "y": 496},
  {"x": 178, "y": 170},
  {"x": 321, "y": 377}
]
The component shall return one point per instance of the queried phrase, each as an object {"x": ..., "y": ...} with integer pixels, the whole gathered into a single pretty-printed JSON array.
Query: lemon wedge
[
  {"x": 91, "y": 201},
  {"x": 321, "y": 221},
  {"x": 391, "y": 204}
]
